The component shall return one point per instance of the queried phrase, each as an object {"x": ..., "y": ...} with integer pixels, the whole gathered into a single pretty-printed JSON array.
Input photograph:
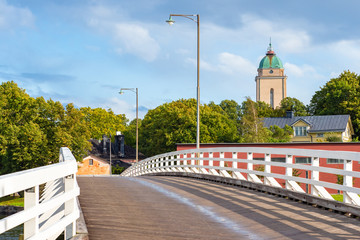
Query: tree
[
  {"x": 102, "y": 122},
  {"x": 340, "y": 95},
  {"x": 277, "y": 134},
  {"x": 130, "y": 133},
  {"x": 33, "y": 130},
  {"x": 292, "y": 104},
  {"x": 252, "y": 129},
  {"x": 175, "y": 122}
]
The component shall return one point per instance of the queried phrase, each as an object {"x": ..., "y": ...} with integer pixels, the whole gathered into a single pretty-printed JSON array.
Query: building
[
  {"x": 271, "y": 80},
  {"x": 98, "y": 160},
  {"x": 315, "y": 128},
  {"x": 93, "y": 165}
]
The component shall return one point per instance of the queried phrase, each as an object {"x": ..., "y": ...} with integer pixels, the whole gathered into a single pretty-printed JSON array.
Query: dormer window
[{"x": 300, "y": 131}]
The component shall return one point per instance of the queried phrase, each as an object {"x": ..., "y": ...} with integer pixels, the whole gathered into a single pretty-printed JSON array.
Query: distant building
[
  {"x": 271, "y": 80},
  {"x": 98, "y": 160},
  {"x": 314, "y": 128},
  {"x": 93, "y": 165}
]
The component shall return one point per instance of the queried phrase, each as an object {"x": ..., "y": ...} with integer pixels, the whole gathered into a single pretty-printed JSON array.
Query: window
[
  {"x": 91, "y": 162},
  {"x": 271, "y": 71},
  {"x": 319, "y": 135},
  {"x": 300, "y": 131},
  {"x": 303, "y": 160},
  {"x": 278, "y": 159},
  {"x": 272, "y": 98},
  {"x": 334, "y": 161}
]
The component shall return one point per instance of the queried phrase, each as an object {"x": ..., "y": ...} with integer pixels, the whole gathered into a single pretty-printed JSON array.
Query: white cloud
[
  {"x": 11, "y": 16},
  {"x": 231, "y": 63},
  {"x": 128, "y": 37},
  {"x": 227, "y": 63}
]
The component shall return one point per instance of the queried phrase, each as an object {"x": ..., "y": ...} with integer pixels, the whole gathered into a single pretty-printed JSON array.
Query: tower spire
[{"x": 270, "y": 48}]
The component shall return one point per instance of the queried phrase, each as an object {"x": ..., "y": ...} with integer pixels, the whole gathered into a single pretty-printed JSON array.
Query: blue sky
[{"x": 84, "y": 51}]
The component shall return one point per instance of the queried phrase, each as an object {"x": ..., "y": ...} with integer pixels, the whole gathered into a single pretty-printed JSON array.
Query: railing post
[
  {"x": 211, "y": 155},
  {"x": 249, "y": 165},
  {"x": 315, "y": 162},
  {"x": 70, "y": 206},
  {"x": 288, "y": 171},
  {"x": 267, "y": 168},
  {"x": 348, "y": 180},
  {"x": 31, "y": 199},
  {"x": 221, "y": 163}
]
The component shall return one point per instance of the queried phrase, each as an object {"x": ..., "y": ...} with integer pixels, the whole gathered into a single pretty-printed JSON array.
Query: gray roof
[{"x": 328, "y": 123}]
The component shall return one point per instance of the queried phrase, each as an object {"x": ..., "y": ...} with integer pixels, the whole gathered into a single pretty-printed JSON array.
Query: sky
[{"x": 85, "y": 51}]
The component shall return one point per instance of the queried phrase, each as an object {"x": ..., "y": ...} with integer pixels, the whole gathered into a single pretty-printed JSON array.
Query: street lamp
[
  {"x": 192, "y": 17},
  {"x": 135, "y": 90}
]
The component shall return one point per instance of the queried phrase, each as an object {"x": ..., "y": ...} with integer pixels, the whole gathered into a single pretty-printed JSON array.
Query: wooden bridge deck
[{"x": 184, "y": 208}]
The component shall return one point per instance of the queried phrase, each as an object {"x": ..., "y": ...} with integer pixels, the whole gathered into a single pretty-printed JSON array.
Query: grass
[
  {"x": 338, "y": 197},
  {"x": 12, "y": 201}
]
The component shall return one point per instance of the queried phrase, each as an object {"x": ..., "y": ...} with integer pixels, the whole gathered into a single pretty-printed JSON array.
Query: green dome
[{"x": 270, "y": 60}]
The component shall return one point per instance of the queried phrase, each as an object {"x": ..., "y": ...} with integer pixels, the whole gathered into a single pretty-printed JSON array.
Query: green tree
[
  {"x": 252, "y": 129},
  {"x": 277, "y": 134},
  {"x": 340, "y": 95},
  {"x": 292, "y": 104},
  {"x": 175, "y": 122},
  {"x": 101, "y": 121},
  {"x": 130, "y": 133}
]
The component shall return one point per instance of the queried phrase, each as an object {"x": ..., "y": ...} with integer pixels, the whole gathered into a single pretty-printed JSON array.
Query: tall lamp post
[
  {"x": 135, "y": 90},
  {"x": 197, "y": 20}
]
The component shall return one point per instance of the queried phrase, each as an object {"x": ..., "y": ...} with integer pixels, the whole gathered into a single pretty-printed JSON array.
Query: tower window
[
  {"x": 271, "y": 71},
  {"x": 272, "y": 98}
]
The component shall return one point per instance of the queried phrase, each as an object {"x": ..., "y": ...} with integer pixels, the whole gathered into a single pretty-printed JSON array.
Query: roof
[
  {"x": 328, "y": 123},
  {"x": 270, "y": 60}
]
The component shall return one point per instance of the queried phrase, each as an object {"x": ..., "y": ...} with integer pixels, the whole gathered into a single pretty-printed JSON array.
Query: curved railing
[
  {"x": 238, "y": 163},
  {"x": 50, "y": 205}
]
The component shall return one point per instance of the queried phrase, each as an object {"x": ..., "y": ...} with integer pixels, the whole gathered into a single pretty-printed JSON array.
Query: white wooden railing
[
  {"x": 50, "y": 193},
  {"x": 229, "y": 167}
]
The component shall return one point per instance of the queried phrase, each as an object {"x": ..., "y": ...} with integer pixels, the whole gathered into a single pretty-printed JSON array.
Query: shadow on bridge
[{"x": 186, "y": 208}]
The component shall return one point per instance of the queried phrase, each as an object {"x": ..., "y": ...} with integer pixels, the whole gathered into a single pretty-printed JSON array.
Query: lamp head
[
  {"x": 121, "y": 92},
  {"x": 170, "y": 21}
]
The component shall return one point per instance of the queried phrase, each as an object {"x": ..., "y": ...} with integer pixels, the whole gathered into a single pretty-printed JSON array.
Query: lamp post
[
  {"x": 192, "y": 18},
  {"x": 135, "y": 90}
]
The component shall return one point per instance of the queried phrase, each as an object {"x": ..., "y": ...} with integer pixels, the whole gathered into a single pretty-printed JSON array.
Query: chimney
[
  {"x": 289, "y": 114},
  {"x": 119, "y": 142}
]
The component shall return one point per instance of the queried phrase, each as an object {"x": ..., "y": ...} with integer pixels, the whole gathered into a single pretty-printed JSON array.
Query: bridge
[{"x": 218, "y": 193}]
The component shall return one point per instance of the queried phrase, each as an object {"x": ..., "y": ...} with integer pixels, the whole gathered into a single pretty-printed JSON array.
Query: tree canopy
[
  {"x": 340, "y": 95},
  {"x": 175, "y": 122},
  {"x": 32, "y": 130}
]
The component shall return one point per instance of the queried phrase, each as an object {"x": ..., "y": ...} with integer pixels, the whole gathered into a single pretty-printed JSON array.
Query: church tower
[{"x": 271, "y": 81}]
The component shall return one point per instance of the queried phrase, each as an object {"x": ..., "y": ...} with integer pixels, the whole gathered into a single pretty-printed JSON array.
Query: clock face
[{"x": 271, "y": 71}]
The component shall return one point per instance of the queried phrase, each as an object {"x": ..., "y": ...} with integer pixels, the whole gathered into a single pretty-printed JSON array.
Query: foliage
[
  {"x": 292, "y": 104},
  {"x": 130, "y": 133},
  {"x": 277, "y": 134},
  {"x": 117, "y": 170},
  {"x": 340, "y": 95},
  {"x": 252, "y": 129},
  {"x": 101, "y": 121},
  {"x": 175, "y": 122},
  {"x": 32, "y": 130}
]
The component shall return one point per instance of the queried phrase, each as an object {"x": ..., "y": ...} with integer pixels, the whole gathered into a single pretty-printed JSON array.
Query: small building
[
  {"x": 315, "y": 128},
  {"x": 93, "y": 165}
]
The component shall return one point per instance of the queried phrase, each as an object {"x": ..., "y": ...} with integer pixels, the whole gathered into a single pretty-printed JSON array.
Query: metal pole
[
  {"x": 198, "y": 84},
  {"x": 137, "y": 126},
  {"x": 110, "y": 155}
]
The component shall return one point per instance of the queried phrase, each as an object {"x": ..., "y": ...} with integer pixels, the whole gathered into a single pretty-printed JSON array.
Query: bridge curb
[{"x": 336, "y": 206}]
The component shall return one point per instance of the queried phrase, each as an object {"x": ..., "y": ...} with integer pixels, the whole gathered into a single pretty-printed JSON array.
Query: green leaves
[
  {"x": 175, "y": 122},
  {"x": 340, "y": 95}
]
